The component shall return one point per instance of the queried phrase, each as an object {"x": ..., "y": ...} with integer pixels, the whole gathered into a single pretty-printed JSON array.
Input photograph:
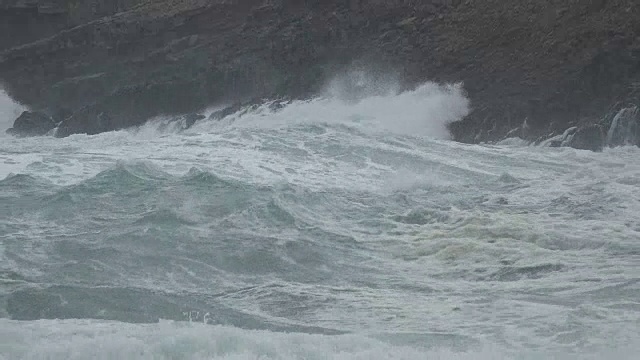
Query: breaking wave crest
[{"x": 424, "y": 111}]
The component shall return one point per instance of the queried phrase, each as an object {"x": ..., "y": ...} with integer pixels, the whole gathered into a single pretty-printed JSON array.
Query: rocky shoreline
[{"x": 554, "y": 72}]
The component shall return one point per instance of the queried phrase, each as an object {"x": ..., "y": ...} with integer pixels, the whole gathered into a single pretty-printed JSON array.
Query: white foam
[
  {"x": 87, "y": 339},
  {"x": 424, "y": 112}
]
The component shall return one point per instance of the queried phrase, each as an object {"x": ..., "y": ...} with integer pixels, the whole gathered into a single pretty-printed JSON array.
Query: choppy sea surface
[{"x": 317, "y": 229}]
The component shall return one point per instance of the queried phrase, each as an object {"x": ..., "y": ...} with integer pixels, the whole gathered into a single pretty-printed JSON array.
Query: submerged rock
[
  {"x": 32, "y": 124},
  {"x": 625, "y": 128}
]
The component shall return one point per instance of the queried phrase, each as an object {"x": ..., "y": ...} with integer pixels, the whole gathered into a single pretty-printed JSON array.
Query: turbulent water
[{"x": 323, "y": 229}]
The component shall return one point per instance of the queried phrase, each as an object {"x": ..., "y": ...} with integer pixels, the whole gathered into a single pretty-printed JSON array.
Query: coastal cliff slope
[{"x": 100, "y": 65}]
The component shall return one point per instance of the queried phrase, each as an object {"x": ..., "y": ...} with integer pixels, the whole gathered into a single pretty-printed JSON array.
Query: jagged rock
[
  {"x": 60, "y": 114},
  {"x": 88, "y": 121},
  {"x": 589, "y": 137},
  {"x": 625, "y": 128},
  {"x": 32, "y": 124}
]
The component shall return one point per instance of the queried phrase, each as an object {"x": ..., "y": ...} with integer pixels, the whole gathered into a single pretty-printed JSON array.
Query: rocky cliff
[{"x": 98, "y": 65}]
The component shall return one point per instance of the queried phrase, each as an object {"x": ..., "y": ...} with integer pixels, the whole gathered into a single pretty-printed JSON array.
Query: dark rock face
[
  {"x": 32, "y": 124},
  {"x": 556, "y": 61},
  {"x": 88, "y": 121},
  {"x": 27, "y": 21}
]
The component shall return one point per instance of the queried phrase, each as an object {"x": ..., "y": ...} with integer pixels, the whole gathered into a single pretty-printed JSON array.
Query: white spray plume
[{"x": 370, "y": 104}]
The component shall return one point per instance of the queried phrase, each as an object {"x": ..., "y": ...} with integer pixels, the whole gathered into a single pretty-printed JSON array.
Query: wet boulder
[
  {"x": 32, "y": 124},
  {"x": 589, "y": 137}
]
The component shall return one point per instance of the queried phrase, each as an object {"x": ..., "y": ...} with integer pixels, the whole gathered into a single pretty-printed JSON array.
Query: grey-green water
[{"x": 319, "y": 231}]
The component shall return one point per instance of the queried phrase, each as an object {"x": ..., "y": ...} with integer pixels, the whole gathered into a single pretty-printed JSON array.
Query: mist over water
[{"x": 342, "y": 227}]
